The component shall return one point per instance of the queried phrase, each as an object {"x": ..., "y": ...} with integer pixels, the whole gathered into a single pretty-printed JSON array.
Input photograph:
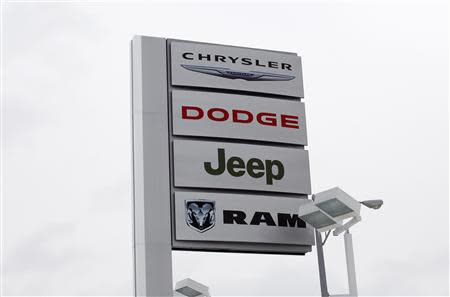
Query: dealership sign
[
  {"x": 245, "y": 218},
  {"x": 206, "y": 164},
  {"x": 219, "y": 157},
  {"x": 233, "y": 116},
  {"x": 235, "y": 68}
]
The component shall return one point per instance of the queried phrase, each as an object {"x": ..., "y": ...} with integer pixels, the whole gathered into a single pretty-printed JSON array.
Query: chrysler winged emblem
[
  {"x": 200, "y": 214},
  {"x": 235, "y": 74}
]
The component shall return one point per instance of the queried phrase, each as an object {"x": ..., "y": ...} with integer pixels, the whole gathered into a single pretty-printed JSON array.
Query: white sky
[{"x": 376, "y": 91}]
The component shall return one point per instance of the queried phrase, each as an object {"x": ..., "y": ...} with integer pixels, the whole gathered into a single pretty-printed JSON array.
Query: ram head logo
[{"x": 200, "y": 214}]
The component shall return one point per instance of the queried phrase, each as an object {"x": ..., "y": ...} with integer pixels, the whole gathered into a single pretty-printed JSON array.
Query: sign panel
[
  {"x": 235, "y": 68},
  {"x": 221, "y": 217},
  {"x": 241, "y": 166},
  {"x": 211, "y": 114},
  {"x": 247, "y": 102}
]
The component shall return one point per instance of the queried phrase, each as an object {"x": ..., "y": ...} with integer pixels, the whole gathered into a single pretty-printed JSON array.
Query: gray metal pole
[
  {"x": 151, "y": 176},
  {"x": 353, "y": 290},
  {"x": 321, "y": 261}
]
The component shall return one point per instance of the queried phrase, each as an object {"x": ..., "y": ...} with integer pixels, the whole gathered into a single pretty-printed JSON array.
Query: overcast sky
[{"x": 376, "y": 92}]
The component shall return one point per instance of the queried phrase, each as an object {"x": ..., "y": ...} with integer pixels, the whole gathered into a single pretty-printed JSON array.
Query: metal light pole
[
  {"x": 350, "y": 259},
  {"x": 321, "y": 261}
]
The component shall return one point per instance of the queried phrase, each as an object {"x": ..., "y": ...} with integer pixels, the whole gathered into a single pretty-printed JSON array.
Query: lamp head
[
  {"x": 188, "y": 292},
  {"x": 337, "y": 204},
  {"x": 374, "y": 204},
  {"x": 191, "y": 288}
]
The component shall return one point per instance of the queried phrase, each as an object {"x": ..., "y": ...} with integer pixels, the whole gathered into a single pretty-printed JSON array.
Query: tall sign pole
[
  {"x": 151, "y": 175},
  {"x": 219, "y": 158}
]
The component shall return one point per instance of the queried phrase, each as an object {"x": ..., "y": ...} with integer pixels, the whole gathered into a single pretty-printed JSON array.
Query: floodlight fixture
[
  {"x": 337, "y": 204},
  {"x": 317, "y": 218},
  {"x": 191, "y": 288},
  {"x": 374, "y": 204}
]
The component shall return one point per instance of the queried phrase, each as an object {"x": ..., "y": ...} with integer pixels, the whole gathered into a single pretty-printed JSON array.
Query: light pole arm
[{"x": 346, "y": 226}]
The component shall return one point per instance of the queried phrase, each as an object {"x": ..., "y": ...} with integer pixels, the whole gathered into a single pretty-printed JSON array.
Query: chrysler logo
[
  {"x": 200, "y": 214},
  {"x": 238, "y": 74}
]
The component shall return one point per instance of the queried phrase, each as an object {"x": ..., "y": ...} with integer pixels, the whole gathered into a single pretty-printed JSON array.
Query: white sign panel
[
  {"x": 241, "y": 166},
  {"x": 236, "y": 68},
  {"x": 211, "y": 114},
  {"x": 221, "y": 217}
]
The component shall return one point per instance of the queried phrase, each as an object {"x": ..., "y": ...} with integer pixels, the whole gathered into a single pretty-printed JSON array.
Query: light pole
[{"x": 335, "y": 210}]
